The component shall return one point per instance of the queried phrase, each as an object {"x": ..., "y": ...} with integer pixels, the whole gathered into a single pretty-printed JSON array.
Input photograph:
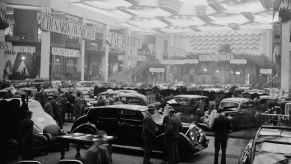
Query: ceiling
[{"x": 183, "y": 16}]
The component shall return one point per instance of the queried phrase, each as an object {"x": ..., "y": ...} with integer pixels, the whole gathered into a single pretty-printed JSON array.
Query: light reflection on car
[{"x": 271, "y": 145}]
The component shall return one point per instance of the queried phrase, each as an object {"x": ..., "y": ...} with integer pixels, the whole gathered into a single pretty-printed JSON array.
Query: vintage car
[
  {"x": 271, "y": 145},
  {"x": 124, "y": 121},
  {"x": 188, "y": 104},
  {"x": 85, "y": 87},
  {"x": 241, "y": 110},
  {"x": 124, "y": 96}
]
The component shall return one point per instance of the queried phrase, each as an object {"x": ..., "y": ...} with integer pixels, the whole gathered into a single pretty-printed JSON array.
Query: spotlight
[{"x": 23, "y": 58}]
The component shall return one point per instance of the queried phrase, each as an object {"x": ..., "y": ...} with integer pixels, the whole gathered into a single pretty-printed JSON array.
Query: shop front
[{"x": 70, "y": 40}]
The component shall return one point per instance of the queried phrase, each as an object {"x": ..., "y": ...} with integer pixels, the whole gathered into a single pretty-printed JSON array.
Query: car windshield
[
  {"x": 228, "y": 105},
  {"x": 272, "y": 153},
  {"x": 273, "y": 146}
]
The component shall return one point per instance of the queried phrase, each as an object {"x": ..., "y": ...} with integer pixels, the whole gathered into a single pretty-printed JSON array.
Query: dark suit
[
  {"x": 221, "y": 128},
  {"x": 148, "y": 134}
]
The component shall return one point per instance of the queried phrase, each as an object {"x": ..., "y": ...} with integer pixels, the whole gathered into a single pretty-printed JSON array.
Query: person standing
[
  {"x": 172, "y": 125},
  {"x": 221, "y": 128},
  {"x": 149, "y": 131}
]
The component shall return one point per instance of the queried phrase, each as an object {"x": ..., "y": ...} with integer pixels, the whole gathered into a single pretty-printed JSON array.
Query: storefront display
[{"x": 21, "y": 62}]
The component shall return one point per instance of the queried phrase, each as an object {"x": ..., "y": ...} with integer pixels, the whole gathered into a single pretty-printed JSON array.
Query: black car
[
  {"x": 271, "y": 145},
  {"x": 124, "y": 121},
  {"x": 241, "y": 110}
]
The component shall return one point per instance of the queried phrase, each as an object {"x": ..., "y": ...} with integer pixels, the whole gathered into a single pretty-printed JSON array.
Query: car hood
[{"x": 270, "y": 158}]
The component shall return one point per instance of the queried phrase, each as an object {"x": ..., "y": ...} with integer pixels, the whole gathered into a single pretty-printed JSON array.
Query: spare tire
[{"x": 87, "y": 128}]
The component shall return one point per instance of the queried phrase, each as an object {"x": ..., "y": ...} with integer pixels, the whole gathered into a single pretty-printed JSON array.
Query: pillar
[
  {"x": 45, "y": 55},
  {"x": 82, "y": 60},
  {"x": 285, "y": 57},
  {"x": 106, "y": 55}
]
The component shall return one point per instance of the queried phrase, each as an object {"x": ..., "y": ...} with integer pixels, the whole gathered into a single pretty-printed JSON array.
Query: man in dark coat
[
  {"x": 149, "y": 131},
  {"x": 172, "y": 124},
  {"x": 221, "y": 128}
]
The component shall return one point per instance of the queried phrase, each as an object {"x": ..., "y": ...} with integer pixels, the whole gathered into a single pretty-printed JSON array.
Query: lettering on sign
[
  {"x": 238, "y": 61},
  {"x": 60, "y": 24},
  {"x": 65, "y": 52},
  {"x": 156, "y": 70},
  {"x": 180, "y": 61},
  {"x": 122, "y": 41},
  {"x": 215, "y": 57},
  {"x": 266, "y": 71}
]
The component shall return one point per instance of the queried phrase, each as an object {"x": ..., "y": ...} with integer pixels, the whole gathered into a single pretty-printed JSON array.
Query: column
[
  {"x": 2, "y": 54},
  {"x": 45, "y": 55},
  {"x": 82, "y": 59},
  {"x": 106, "y": 55},
  {"x": 285, "y": 57}
]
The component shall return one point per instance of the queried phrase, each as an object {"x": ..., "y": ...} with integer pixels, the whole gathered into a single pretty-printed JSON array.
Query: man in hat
[
  {"x": 149, "y": 131},
  {"x": 48, "y": 107},
  {"x": 172, "y": 125},
  {"x": 221, "y": 127}
]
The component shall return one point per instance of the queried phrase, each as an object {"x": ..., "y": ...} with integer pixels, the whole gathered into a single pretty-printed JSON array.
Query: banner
[
  {"x": 66, "y": 52},
  {"x": 62, "y": 25}
]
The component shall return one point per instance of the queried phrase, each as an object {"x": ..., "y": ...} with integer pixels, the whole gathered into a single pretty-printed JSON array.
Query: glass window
[
  {"x": 130, "y": 114},
  {"x": 229, "y": 105},
  {"x": 104, "y": 112}
]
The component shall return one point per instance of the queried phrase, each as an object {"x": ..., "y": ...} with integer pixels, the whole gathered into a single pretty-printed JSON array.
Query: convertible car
[
  {"x": 124, "y": 121},
  {"x": 271, "y": 145}
]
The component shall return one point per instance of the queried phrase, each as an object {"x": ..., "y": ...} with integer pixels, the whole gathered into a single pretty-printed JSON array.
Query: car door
[
  {"x": 247, "y": 114},
  {"x": 107, "y": 120},
  {"x": 130, "y": 126}
]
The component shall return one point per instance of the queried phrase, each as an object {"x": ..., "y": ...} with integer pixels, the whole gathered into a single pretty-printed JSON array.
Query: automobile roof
[
  {"x": 189, "y": 96},
  {"x": 268, "y": 97},
  {"x": 235, "y": 99},
  {"x": 140, "y": 108}
]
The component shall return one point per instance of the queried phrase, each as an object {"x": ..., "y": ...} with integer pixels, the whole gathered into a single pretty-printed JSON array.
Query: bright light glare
[{"x": 237, "y": 73}]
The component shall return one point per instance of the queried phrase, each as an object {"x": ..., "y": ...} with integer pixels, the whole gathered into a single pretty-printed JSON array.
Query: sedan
[{"x": 124, "y": 121}]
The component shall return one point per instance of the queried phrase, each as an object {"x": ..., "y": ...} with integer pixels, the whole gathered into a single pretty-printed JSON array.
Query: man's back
[{"x": 221, "y": 127}]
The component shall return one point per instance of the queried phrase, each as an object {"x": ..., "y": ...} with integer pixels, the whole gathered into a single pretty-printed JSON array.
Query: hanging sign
[
  {"x": 180, "y": 61},
  {"x": 65, "y": 52},
  {"x": 266, "y": 71},
  {"x": 62, "y": 25},
  {"x": 206, "y": 58},
  {"x": 238, "y": 61},
  {"x": 156, "y": 70}
]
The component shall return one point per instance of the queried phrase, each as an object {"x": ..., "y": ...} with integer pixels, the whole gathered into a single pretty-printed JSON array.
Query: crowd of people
[{"x": 172, "y": 125}]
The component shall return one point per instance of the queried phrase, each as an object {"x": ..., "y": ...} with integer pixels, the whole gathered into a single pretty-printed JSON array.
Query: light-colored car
[{"x": 271, "y": 145}]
